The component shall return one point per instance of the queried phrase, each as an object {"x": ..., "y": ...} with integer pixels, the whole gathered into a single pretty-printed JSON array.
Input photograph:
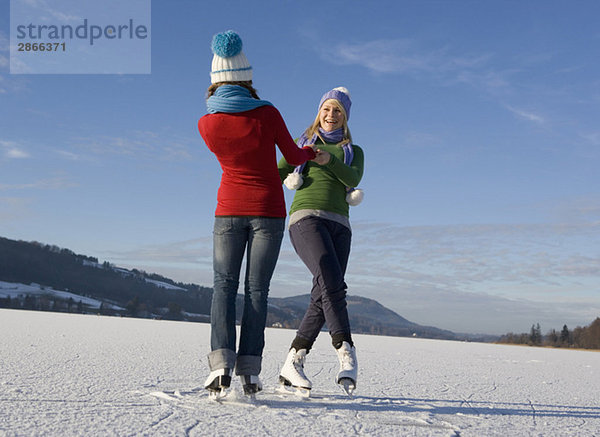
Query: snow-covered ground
[
  {"x": 13, "y": 290},
  {"x": 66, "y": 374}
]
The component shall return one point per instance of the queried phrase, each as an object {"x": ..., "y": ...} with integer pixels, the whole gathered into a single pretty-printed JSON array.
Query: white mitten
[
  {"x": 354, "y": 197},
  {"x": 293, "y": 181}
]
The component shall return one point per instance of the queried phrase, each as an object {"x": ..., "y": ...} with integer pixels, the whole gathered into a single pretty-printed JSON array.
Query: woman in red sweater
[{"x": 242, "y": 131}]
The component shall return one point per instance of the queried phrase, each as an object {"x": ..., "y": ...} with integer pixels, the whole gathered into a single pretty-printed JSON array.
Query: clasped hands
[{"x": 322, "y": 157}]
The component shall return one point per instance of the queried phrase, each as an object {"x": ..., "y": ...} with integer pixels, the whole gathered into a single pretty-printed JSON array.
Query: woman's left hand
[{"x": 322, "y": 157}]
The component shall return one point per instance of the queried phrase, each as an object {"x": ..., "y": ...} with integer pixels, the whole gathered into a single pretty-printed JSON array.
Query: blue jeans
[
  {"x": 260, "y": 238},
  {"x": 324, "y": 246}
]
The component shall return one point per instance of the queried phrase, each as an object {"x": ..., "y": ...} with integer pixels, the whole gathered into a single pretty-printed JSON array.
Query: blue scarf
[
  {"x": 233, "y": 98},
  {"x": 331, "y": 137}
]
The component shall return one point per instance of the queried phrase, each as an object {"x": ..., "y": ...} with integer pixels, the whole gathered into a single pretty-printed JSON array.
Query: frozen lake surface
[{"x": 65, "y": 374}]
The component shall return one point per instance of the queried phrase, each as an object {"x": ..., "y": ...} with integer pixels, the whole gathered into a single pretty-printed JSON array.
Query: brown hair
[{"x": 246, "y": 84}]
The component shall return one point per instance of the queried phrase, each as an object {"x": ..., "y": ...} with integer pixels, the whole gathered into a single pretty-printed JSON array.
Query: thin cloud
[
  {"x": 401, "y": 56},
  {"x": 593, "y": 138},
  {"x": 69, "y": 155},
  {"x": 10, "y": 83},
  {"x": 185, "y": 252},
  {"x": 471, "y": 258},
  {"x": 382, "y": 56},
  {"x": 492, "y": 81},
  {"x": 526, "y": 115},
  {"x": 4, "y": 62},
  {"x": 406, "y": 56},
  {"x": 13, "y": 150},
  {"x": 587, "y": 207},
  {"x": 44, "y": 184},
  {"x": 148, "y": 145},
  {"x": 486, "y": 313},
  {"x": 13, "y": 153},
  {"x": 4, "y": 42},
  {"x": 188, "y": 261},
  {"x": 484, "y": 72},
  {"x": 13, "y": 208},
  {"x": 43, "y": 6},
  {"x": 499, "y": 276},
  {"x": 421, "y": 140}
]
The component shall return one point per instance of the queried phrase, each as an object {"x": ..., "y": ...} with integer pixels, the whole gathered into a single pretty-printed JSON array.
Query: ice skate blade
[
  {"x": 348, "y": 385},
  {"x": 301, "y": 392},
  {"x": 287, "y": 387},
  {"x": 251, "y": 390},
  {"x": 217, "y": 395}
]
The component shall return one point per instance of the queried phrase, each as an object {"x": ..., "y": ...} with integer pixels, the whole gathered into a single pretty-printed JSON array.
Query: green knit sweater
[{"x": 324, "y": 186}]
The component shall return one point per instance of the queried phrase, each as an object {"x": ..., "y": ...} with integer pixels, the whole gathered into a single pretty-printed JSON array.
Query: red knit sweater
[{"x": 244, "y": 143}]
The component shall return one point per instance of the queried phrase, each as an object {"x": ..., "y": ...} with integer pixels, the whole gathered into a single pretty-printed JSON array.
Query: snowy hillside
[
  {"x": 14, "y": 290},
  {"x": 66, "y": 374}
]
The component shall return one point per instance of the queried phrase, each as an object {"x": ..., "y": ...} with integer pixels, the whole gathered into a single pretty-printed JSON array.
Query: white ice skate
[
  {"x": 346, "y": 377},
  {"x": 292, "y": 374},
  {"x": 218, "y": 382}
]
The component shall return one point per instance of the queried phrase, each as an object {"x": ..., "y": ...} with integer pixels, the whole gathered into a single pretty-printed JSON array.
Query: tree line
[
  {"x": 43, "y": 303},
  {"x": 33, "y": 262},
  {"x": 587, "y": 337}
]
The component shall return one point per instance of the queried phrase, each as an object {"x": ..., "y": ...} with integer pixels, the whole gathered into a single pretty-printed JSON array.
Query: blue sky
[{"x": 479, "y": 122}]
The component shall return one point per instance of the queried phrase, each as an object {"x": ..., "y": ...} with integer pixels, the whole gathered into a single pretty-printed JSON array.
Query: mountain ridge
[{"x": 118, "y": 291}]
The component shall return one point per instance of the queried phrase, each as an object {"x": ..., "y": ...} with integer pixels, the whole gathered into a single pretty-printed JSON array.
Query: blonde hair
[{"x": 314, "y": 127}]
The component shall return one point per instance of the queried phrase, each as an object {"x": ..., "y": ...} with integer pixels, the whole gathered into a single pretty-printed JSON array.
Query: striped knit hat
[{"x": 229, "y": 63}]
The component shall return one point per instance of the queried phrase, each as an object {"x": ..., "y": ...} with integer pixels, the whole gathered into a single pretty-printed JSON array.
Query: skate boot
[
  {"x": 346, "y": 377},
  {"x": 217, "y": 382},
  {"x": 251, "y": 384},
  {"x": 292, "y": 373}
]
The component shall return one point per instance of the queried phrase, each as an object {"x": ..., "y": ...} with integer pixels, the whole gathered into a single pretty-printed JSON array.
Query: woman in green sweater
[{"x": 321, "y": 235}]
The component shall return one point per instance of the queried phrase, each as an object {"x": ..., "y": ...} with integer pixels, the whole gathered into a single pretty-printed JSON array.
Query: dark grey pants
[{"x": 324, "y": 246}]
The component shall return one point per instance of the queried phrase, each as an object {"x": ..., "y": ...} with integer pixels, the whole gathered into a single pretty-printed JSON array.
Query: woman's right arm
[{"x": 293, "y": 154}]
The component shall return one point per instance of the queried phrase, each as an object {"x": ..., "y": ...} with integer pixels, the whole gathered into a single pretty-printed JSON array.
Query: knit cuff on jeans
[
  {"x": 301, "y": 343},
  {"x": 338, "y": 339}
]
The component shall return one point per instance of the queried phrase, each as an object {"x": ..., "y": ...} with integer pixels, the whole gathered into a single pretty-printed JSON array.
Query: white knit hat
[{"x": 229, "y": 63}]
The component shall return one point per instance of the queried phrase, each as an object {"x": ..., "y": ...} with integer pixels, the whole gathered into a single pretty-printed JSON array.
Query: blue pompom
[{"x": 226, "y": 44}]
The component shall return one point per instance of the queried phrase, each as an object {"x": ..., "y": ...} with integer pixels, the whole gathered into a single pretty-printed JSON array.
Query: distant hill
[
  {"x": 38, "y": 276},
  {"x": 119, "y": 291},
  {"x": 367, "y": 316}
]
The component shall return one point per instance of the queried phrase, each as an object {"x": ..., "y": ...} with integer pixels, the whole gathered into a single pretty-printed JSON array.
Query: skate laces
[
  {"x": 298, "y": 361},
  {"x": 346, "y": 359}
]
